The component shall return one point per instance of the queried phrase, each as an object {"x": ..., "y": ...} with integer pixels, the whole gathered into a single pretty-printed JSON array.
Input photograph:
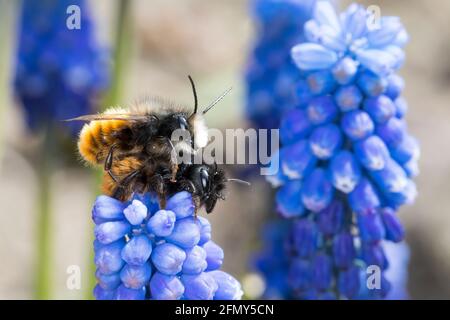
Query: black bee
[{"x": 206, "y": 183}]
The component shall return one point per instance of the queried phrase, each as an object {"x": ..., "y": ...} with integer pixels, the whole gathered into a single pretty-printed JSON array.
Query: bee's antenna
[
  {"x": 240, "y": 181},
  {"x": 195, "y": 94},
  {"x": 212, "y": 104}
]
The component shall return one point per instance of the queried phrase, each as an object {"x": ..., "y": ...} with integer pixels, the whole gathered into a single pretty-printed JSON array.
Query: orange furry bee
[{"x": 134, "y": 145}]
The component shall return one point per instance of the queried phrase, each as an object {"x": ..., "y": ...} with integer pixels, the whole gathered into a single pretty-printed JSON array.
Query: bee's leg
[
  {"x": 122, "y": 191},
  {"x": 174, "y": 170},
  {"x": 109, "y": 162},
  {"x": 196, "y": 205},
  {"x": 157, "y": 184}
]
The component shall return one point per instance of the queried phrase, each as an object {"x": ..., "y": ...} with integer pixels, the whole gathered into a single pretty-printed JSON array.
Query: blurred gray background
[{"x": 210, "y": 40}]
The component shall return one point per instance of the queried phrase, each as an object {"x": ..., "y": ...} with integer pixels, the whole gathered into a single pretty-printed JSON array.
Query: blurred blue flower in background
[
  {"x": 347, "y": 160},
  {"x": 142, "y": 252},
  {"x": 270, "y": 72},
  {"x": 59, "y": 71}
]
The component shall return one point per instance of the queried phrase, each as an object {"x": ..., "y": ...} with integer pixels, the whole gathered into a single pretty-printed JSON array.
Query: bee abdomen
[{"x": 96, "y": 138}]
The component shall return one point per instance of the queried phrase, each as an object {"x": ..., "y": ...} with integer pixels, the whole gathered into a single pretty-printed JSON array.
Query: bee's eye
[
  {"x": 204, "y": 178},
  {"x": 182, "y": 122}
]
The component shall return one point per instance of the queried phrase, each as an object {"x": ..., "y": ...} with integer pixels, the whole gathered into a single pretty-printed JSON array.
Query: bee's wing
[{"x": 113, "y": 116}]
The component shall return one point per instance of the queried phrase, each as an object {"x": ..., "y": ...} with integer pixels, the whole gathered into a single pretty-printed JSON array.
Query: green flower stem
[
  {"x": 121, "y": 53},
  {"x": 44, "y": 264},
  {"x": 122, "y": 45}
]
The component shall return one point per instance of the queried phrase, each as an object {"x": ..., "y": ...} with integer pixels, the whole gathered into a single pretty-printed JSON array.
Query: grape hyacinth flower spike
[
  {"x": 144, "y": 252},
  {"x": 346, "y": 168},
  {"x": 270, "y": 72},
  {"x": 59, "y": 71}
]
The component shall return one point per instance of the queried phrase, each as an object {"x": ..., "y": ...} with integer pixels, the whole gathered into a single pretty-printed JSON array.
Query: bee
[
  {"x": 135, "y": 145},
  {"x": 206, "y": 183}
]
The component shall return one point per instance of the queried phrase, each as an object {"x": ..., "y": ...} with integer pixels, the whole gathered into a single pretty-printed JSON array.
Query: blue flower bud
[
  {"x": 343, "y": 250},
  {"x": 325, "y": 14},
  {"x": 311, "y": 56},
  {"x": 289, "y": 204},
  {"x": 357, "y": 124},
  {"x": 395, "y": 86},
  {"x": 195, "y": 261},
  {"x": 297, "y": 160},
  {"x": 108, "y": 259},
  {"x": 136, "y": 212},
  {"x": 331, "y": 219},
  {"x": 371, "y": 84},
  {"x": 401, "y": 107},
  {"x": 111, "y": 231},
  {"x": 104, "y": 294},
  {"x": 214, "y": 255},
  {"x": 406, "y": 150},
  {"x": 344, "y": 171},
  {"x": 278, "y": 178},
  {"x": 411, "y": 168},
  {"x": 386, "y": 33},
  {"x": 405, "y": 196},
  {"x": 181, "y": 204},
  {"x": 349, "y": 282},
  {"x": 228, "y": 287},
  {"x": 364, "y": 197},
  {"x": 168, "y": 258},
  {"x": 185, "y": 234},
  {"x": 354, "y": 21},
  {"x": 380, "y": 108},
  {"x": 402, "y": 38},
  {"x": 150, "y": 200},
  {"x": 371, "y": 228},
  {"x": 322, "y": 271},
  {"x": 300, "y": 274},
  {"x": 345, "y": 70},
  {"x": 161, "y": 223},
  {"x": 321, "y": 110},
  {"x": 373, "y": 255},
  {"x": 320, "y": 82},
  {"x": 108, "y": 282},
  {"x": 107, "y": 209},
  {"x": 328, "y": 37},
  {"x": 348, "y": 98},
  {"x": 392, "y": 132},
  {"x": 384, "y": 289},
  {"x": 394, "y": 229},
  {"x": 164, "y": 287},
  {"x": 372, "y": 153},
  {"x": 398, "y": 55},
  {"x": 283, "y": 83},
  {"x": 124, "y": 293},
  {"x": 135, "y": 277},
  {"x": 380, "y": 62},
  {"x": 392, "y": 178},
  {"x": 205, "y": 230},
  {"x": 317, "y": 191},
  {"x": 304, "y": 238},
  {"x": 325, "y": 140},
  {"x": 294, "y": 126},
  {"x": 302, "y": 93},
  {"x": 137, "y": 251},
  {"x": 199, "y": 287}
]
